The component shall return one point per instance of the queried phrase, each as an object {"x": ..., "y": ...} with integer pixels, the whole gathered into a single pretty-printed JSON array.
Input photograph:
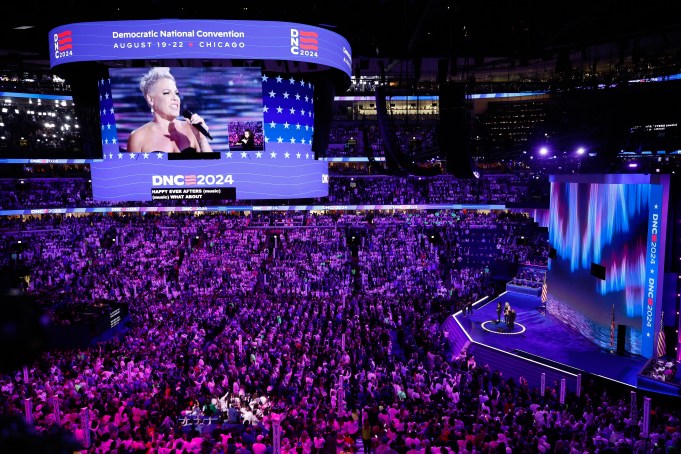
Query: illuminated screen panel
[
  {"x": 229, "y": 100},
  {"x": 619, "y": 226},
  {"x": 278, "y": 110},
  {"x": 198, "y": 39}
]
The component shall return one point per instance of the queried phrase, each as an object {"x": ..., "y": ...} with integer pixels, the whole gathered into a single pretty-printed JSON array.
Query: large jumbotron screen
[
  {"x": 237, "y": 75},
  {"x": 278, "y": 111},
  {"x": 229, "y": 100},
  {"x": 617, "y": 222}
]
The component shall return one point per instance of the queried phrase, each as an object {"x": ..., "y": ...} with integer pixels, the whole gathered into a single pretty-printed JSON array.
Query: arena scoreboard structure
[{"x": 276, "y": 79}]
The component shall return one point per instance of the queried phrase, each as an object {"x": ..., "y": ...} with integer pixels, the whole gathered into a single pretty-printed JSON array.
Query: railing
[{"x": 522, "y": 289}]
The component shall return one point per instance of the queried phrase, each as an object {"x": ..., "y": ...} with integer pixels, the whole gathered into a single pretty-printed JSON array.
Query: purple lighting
[
  {"x": 543, "y": 151},
  {"x": 633, "y": 165},
  {"x": 581, "y": 151}
]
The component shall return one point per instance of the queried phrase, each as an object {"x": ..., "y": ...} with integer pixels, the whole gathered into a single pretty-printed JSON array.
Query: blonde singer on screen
[{"x": 164, "y": 132}]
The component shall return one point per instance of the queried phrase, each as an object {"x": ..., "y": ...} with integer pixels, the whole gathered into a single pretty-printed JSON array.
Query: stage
[{"x": 538, "y": 338}]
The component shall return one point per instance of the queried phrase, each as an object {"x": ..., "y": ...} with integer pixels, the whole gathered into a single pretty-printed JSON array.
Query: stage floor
[{"x": 545, "y": 336}]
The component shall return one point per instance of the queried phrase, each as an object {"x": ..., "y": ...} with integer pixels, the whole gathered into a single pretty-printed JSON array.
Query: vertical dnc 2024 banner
[{"x": 654, "y": 257}]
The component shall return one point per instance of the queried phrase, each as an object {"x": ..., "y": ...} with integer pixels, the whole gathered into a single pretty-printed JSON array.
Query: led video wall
[
  {"x": 277, "y": 110},
  {"x": 617, "y": 222},
  {"x": 199, "y": 39},
  {"x": 235, "y": 75}
]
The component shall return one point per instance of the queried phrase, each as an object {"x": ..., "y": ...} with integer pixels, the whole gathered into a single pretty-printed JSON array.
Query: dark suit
[{"x": 247, "y": 143}]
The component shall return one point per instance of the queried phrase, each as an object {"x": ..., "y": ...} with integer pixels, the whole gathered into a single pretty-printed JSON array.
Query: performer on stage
[
  {"x": 499, "y": 310},
  {"x": 507, "y": 312}
]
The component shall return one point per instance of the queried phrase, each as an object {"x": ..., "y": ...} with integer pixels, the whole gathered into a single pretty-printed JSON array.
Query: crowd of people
[
  {"x": 349, "y": 139},
  {"x": 38, "y": 191},
  {"x": 292, "y": 332},
  {"x": 496, "y": 189},
  {"x": 43, "y": 192},
  {"x": 32, "y": 82},
  {"x": 663, "y": 369},
  {"x": 528, "y": 276},
  {"x": 33, "y": 127},
  {"x": 328, "y": 329}
]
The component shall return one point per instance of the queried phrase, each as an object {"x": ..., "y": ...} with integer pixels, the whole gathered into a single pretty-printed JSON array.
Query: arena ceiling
[{"x": 523, "y": 30}]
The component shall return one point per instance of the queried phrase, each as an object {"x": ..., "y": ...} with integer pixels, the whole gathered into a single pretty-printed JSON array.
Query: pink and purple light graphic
[{"x": 615, "y": 225}]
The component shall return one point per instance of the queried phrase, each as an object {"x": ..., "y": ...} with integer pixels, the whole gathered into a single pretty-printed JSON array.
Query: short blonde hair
[{"x": 150, "y": 79}]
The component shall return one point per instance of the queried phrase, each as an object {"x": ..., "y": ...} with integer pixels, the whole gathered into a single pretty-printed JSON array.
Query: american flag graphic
[
  {"x": 288, "y": 114},
  {"x": 108, "y": 120},
  {"x": 661, "y": 339},
  {"x": 544, "y": 291}
]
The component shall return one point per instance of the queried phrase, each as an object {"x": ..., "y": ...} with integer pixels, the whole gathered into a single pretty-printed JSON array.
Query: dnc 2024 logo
[
  {"x": 305, "y": 43},
  {"x": 63, "y": 44}
]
